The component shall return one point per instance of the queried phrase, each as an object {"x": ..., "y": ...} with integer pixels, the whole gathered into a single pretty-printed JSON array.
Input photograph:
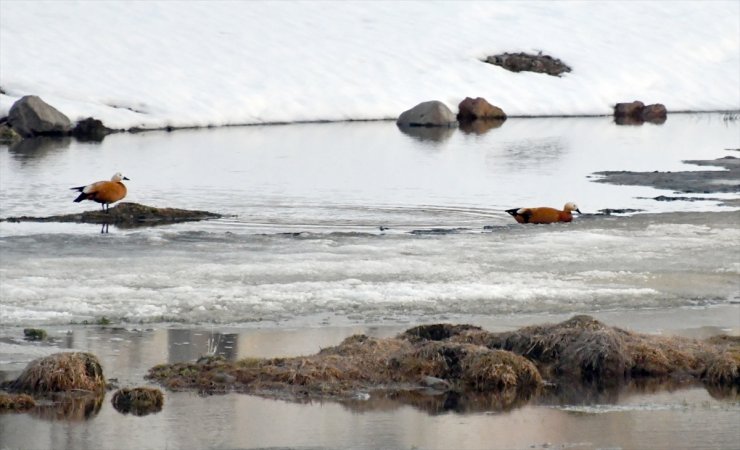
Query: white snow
[{"x": 152, "y": 64}]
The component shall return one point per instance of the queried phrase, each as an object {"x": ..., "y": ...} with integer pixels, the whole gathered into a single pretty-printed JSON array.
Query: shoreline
[{"x": 171, "y": 128}]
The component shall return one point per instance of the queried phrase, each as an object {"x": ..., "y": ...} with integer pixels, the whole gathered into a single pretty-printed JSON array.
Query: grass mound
[
  {"x": 467, "y": 367},
  {"x": 585, "y": 348},
  {"x": 360, "y": 363},
  {"x": 139, "y": 401},
  {"x": 61, "y": 372}
]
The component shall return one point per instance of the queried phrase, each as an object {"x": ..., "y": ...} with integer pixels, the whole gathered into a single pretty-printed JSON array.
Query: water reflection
[
  {"x": 428, "y": 134},
  {"x": 525, "y": 155},
  {"x": 480, "y": 126},
  {"x": 38, "y": 147},
  {"x": 68, "y": 407},
  {"x": 189, "y": 345},
  {"x": 626, "y": 120}
]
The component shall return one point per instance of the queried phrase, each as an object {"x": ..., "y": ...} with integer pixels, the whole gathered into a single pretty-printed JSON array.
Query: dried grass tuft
[
  {"x": 16, "y": 402},
  {"x": 139, "y": 401},
  {"x": 61, "y": 372}
]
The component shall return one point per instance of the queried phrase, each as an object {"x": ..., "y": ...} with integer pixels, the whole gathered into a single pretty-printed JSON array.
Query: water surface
[{"x": 300, "y": 262}]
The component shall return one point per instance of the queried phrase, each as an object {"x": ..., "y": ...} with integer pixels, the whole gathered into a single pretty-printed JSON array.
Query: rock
[
  {"x": 471, "y": 109},
  {"x": 427, "y": 114},
  {"x": 655, "y": 113},
  {"x": 31, "y": 116},
  {"x": 126, "y": 215},
  {"x": 636, "y": 113},
  {"x": 8, "y": 135},
  {"x": 633, "y": 110},
  {"x": 91, "y": 130},
  {"x": 524, "y": 62}
]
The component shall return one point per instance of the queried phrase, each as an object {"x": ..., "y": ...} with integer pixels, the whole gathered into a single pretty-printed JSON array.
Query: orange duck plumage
[
  {"x": 544, "y": 214},
  {"x": 103, "y": 192}
]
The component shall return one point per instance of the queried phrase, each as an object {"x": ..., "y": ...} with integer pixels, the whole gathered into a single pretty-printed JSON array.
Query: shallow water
[{"x": 299, "y": 263}]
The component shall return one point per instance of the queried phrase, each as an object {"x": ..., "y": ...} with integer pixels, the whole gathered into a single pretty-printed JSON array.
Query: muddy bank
[
  {"x": 699, "y": 181},
  {"x": 440, "y": 365},
  {"x": 126, "y": 215}
]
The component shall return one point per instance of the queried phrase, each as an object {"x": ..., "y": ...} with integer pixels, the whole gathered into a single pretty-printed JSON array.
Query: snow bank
[{"x": 153, "y": 64}]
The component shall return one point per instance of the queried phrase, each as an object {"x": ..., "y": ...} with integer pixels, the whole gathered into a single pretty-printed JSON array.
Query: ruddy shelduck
[
  {"x": 103, "y": 192},
  {"x": 544, "y": 214}
]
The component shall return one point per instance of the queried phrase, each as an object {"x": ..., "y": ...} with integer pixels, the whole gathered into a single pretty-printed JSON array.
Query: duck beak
[
  {"x": 127, "y": 178},
  {"x": 578, "y": 211}
]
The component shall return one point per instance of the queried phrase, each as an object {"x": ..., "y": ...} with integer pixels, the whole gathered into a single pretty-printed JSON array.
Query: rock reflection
[
  {"x": 37, "y": 147},
  {"x": 627, "y": 120},
  {"x": 428, "y": 134},
  {"x": 480, "y": 126}
]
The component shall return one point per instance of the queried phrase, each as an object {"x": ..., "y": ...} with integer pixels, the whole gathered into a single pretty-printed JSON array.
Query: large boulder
[
  {"x": 427, "y": 114},
  {"x": 478, "y": 108},
  {"x": 31, "y": 116}
]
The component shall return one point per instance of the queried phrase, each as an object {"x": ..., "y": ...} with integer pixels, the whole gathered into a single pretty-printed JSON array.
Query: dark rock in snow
[{"x": 524, "y": 62}]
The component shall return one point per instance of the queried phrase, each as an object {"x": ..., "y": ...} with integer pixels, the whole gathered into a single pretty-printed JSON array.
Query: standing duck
[
  {"x": 103, "y": 192},
  {"x": 544, "y": 214}
]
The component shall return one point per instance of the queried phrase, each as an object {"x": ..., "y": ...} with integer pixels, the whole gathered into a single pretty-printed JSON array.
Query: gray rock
[
  {"x": 427, "y": 114},
  {"x": 31, "y": 116}
]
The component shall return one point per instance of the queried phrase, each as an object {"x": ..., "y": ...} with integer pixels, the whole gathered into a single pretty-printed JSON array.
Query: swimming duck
[
  {"x": 544, "y": 214},
  {"x": 103, "y": 192}
]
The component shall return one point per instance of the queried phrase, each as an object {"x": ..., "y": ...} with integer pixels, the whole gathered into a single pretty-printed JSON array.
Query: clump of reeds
[
  {"x": 34, "y": 334},
  {"x": 139, "y": 401},
  {"x": 588, "y": 349},
  {"x": 61, "y": 372}
]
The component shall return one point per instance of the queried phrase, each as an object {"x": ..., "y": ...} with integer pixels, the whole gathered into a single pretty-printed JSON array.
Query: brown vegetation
[
  {"x": 585, "y": 348},
  {"x": 358, "y": 364},
  {"x": 61, "y": 372},
  {"x": 139, "y": 401},
  {"x": 443, "y": 367},
  {"x": 16, "y": 402}
]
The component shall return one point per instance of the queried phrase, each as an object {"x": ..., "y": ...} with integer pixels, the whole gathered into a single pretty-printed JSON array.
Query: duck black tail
[
  {"x": 80, "y": 198},
  {"x": 512, "y": 211}
]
